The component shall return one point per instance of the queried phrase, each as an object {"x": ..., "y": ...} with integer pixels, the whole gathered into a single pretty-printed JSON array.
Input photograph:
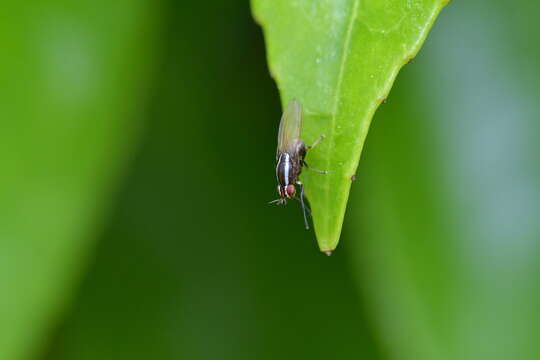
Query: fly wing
[{"x": 290, "y": 127}]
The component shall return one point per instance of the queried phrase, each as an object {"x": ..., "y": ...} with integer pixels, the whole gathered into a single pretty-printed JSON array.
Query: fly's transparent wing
[{"x": 290, "y": 127}]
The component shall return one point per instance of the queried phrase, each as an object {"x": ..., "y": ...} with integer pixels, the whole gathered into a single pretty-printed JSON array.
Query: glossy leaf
[{"x": 339, "y": 58}]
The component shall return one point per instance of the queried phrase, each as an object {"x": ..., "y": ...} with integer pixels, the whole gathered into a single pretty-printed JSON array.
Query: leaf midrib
[{"x": 333, "y": 119}]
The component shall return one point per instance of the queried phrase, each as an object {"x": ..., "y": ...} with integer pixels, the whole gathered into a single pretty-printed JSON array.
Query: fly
[{"x": 290, "y": 155}]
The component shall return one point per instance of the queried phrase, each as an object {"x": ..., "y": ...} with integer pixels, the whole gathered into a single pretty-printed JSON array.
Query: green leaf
[
  {"x": 72, "y": 76},
  {"x": 339, "y": 58}
]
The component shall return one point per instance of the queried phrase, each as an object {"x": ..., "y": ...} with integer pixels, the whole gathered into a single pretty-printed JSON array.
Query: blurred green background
[{"x": 137, "y": 149}]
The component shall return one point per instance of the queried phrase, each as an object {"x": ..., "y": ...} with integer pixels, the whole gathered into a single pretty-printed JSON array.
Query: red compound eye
[{"x": 290, "y": 190}]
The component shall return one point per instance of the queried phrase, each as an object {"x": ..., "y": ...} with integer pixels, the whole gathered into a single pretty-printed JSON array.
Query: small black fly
[{"x": 290, "y": 155}]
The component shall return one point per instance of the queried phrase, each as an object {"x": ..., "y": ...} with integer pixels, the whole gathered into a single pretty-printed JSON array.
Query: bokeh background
[{"x": 137, "y": 144}]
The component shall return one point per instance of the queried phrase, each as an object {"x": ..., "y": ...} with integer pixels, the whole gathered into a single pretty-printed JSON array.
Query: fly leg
[
  {"x": 312, "y": 169},
  {"x": 316, "y": 142},
  {"x": 311, "y": 147},
  {"x": 302, "y": 202},
  {"x": 308, "y": 211},
  {"x": 278, "y": 201}
]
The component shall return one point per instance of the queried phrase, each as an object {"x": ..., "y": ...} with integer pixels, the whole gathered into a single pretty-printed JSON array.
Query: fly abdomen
[{"x": 284, "y": 169}]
